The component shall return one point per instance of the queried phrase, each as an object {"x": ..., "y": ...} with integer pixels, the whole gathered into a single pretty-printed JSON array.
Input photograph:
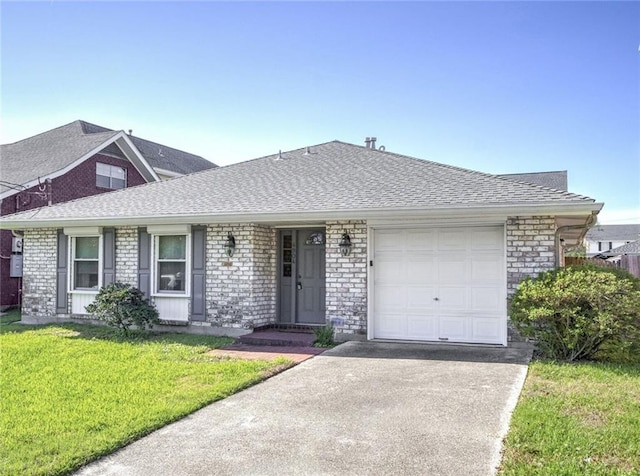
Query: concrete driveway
[{"x": 362, "y": 408}]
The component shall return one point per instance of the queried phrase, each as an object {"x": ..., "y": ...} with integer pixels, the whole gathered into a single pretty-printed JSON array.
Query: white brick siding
[
  {"x": 346, "y": 277},
  {"x": 530, "y": 248},
  {"x": 241, "y": 291},
  {"x": 127, "y": 255},
  {"x": 39, "y": 273}
]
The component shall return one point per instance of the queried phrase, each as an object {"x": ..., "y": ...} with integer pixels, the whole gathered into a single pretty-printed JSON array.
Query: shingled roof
[
  {"x": 330, "y": 179},
  {"x": 632, "y": 248},
  {"x": 556, "y": 180},
  {"x": 51, "y": 151},
  {"x": 627, "y": 232}
]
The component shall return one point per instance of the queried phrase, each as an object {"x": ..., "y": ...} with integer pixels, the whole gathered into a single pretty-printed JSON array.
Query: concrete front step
[{"x": 278, "y": 338}]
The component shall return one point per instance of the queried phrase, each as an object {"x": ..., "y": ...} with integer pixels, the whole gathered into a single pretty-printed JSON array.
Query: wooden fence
[{"x": 628, "y": 262}]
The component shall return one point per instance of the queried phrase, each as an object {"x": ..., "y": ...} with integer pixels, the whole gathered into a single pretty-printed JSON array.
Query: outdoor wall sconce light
[
  {"x": 345, "y": 244},
  {"x": 229, "y": 245}
]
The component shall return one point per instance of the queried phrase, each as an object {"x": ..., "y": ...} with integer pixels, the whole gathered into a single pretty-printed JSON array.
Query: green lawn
[
  {"x": 71, "y": 393},
  {"x": 576, "y": 419}
]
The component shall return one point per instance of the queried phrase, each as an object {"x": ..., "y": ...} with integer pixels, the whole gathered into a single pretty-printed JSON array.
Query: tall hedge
[{"x": 571, "y": 312}]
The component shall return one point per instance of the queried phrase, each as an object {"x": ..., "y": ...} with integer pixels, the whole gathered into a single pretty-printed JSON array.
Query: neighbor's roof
[
  {"x": 631, "y": 248},
  {"x": 556, "y": 180},
  {"x": 613, "y": 233},
  {"x": 51, "y": 151},
  {"x": 331, "y": 179},
  {"x": 161, "y": 156}
]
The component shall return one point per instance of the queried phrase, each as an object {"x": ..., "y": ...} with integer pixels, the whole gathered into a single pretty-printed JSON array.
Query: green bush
[
  {"x": 123, "y": 306},
  {"x": 571, "y": 312},
  {"x": 324, "y": 336}
]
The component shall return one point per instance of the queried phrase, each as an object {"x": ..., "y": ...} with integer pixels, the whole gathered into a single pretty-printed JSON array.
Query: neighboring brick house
[
  {"x": 380, "y": 245},
  {"x": 74, "y": 161}
]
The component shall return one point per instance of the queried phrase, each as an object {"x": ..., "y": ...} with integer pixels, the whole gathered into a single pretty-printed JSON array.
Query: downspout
[{"x": 590, "y": 221}]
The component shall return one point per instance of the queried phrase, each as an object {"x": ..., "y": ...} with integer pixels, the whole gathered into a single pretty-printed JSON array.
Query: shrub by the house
[
  {"x": 123, "y": 306},
  {"x": 571, "y": 312}
]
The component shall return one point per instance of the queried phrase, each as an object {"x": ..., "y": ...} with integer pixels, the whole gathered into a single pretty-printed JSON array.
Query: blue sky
[{"x": 500, "y": 87}]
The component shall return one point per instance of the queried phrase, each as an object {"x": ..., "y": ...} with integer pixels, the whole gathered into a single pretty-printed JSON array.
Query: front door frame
[{"x": 288, "y": 313}]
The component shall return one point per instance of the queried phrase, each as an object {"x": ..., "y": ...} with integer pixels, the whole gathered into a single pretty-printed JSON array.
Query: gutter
[{"x": 590, "y": 221}]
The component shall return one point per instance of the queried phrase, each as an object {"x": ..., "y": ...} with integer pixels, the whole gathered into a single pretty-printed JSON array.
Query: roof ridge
[
  {"x": 466, "y": 170},
  {"x": 77, "y": 121}
]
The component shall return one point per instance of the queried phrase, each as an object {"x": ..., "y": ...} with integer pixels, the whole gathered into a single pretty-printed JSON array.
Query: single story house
[{"x": 381, "y": 245}]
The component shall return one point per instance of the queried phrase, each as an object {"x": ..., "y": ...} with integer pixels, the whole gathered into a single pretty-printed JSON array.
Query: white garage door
[{"x": 440, "y": 284}]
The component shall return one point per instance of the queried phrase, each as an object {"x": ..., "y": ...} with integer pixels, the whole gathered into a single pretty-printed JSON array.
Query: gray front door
[{"x": 310, "y": 285}]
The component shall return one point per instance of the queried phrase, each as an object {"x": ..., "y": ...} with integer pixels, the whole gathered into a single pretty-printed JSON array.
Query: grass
[
  {"x": 72, "y": 393},
  {"x": 576, "y": 419}
]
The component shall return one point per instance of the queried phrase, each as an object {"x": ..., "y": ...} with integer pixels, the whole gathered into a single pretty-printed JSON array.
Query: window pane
[
  {"x": 87, "y": 247},
  {"x": 286, "y": 270},
  {"x": 117, "y": 183},
  {"x": 286, "y": 256},
  {"x": 172, "y": 247},
  {"x": 286, "y": 241},
  {"x": 102, "y": 169},
  {"x": 117, "y": 172},
  {"x": 171, "y": 276},
  {"x": 102, "y": 181},
  {"x": 86, "y": 274}
]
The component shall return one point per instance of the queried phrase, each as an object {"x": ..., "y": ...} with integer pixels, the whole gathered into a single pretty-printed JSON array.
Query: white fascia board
[
  {"x": 486, "y": 214},
  {"x": 168, "y": 173},
  {"x": 134, "y": 156}
]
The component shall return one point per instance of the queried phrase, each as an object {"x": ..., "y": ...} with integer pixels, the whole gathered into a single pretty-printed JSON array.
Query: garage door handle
[{"x": 436, "y": 299}]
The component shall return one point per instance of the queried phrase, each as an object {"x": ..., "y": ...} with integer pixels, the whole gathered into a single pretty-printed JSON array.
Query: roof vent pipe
[
  {"x": 307, "y": 151},
  {"x": 373, "y": 142},
  {"x": 130, "y": 131},
  {"x": 367, "y": 142}
]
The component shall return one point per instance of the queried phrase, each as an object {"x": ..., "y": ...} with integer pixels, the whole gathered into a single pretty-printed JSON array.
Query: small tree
[
  {"x": 571, "y": 312},
  {"x": 123, "y": 306}
]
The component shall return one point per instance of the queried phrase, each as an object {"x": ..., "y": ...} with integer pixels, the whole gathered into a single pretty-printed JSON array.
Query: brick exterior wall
[
  {"x": 241, "y": 291},
  {"x": 530, "y": 248},
  {"x": 39, "y": 287},
  {"x": 346, "y": 277},
  {"x": 77, "y": 183},
  {"x": 127, "y": 255}
]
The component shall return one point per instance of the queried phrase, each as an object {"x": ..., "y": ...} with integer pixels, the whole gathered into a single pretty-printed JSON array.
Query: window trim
[
  {"x": 154, "y": 266},
  {"x": 72, "y": 260},
  {"x": 110, "y": 187}
]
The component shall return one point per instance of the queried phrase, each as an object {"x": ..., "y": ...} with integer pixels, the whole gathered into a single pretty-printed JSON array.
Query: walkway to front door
[{"x": 302, "y": 276}]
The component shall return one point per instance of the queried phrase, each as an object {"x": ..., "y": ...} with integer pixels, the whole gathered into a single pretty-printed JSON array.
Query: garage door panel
[
  {"x": 389, "y": 269},
  {"x": 454, "y": 298},
  {"x": 422, "y": 269},
  {"x": 424, "y": 240},
  {"x": 452, "y": 239},
  {"x": 453, "y": 328},
  {"x": 421, "y": 297},
  {"x": 389, "y": 240},
  {"x": 422, "y": 327},
  {"x": 486, "y": 330},
  {"x": 487, "y": 239},
  {"x": 391, "y": 326},
  {"x": 390, "y": 297},
  {"x": 486, "y": 299},
  {"x": 452, "y": 269},
  {"x": 487, "y": 268}
]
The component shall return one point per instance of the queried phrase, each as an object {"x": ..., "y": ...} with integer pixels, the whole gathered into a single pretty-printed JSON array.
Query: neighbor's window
[
  {"x": 86, "y": 259},
  {"x": 110, "y": 176},
  {"x": 171, "y": 263}
]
